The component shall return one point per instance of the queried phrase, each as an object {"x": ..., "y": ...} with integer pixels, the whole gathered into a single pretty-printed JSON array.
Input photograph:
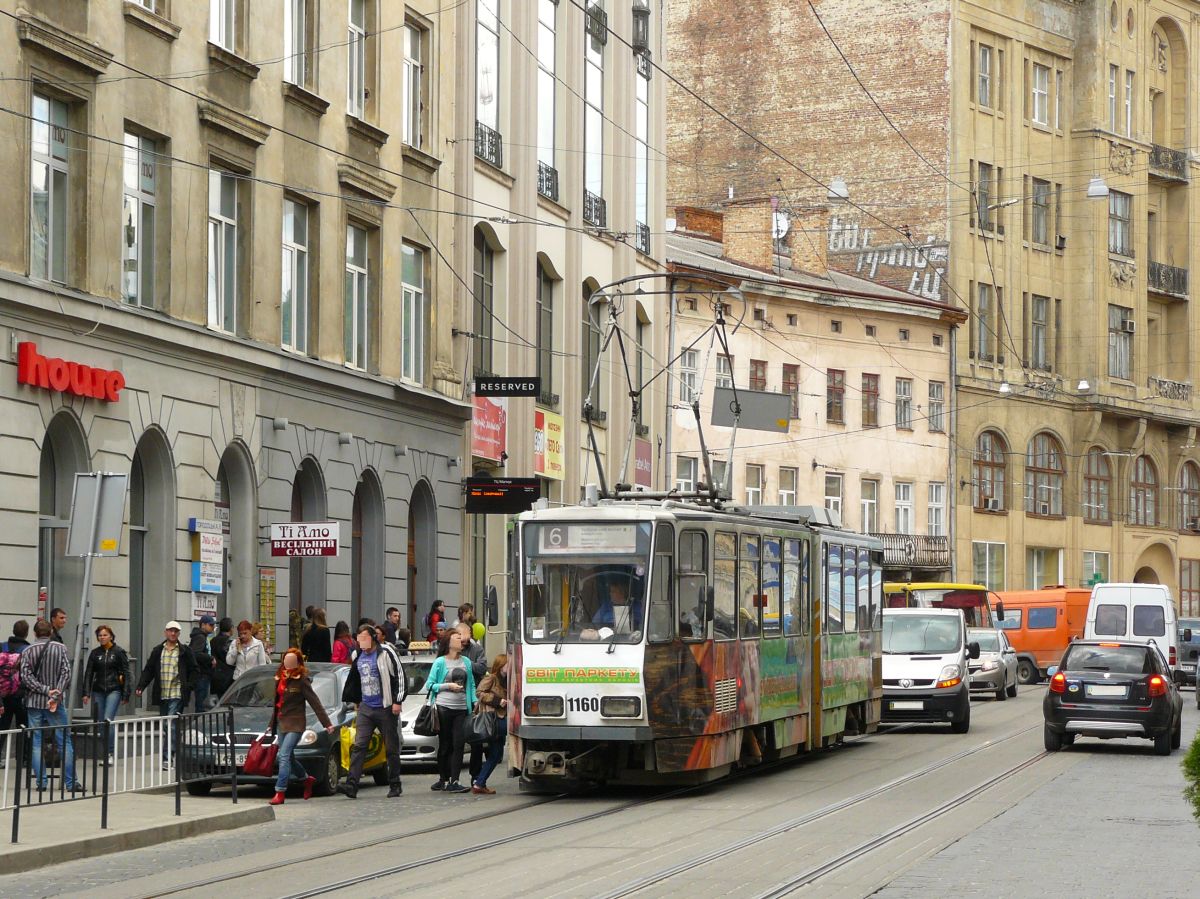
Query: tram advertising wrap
[{"x": 670, "y": 643}]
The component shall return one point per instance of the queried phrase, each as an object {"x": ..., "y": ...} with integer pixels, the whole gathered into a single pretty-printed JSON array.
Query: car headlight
[
  {"x": 621, "y": 707},
  {"x": 991, "y": 665},
  {"x": 951, "y": 676},
  {"x": 308, "y": 738},
  {"x": 544, "y": 706}
]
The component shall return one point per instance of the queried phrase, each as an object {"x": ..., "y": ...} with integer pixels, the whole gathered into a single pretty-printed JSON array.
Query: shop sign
[
  {"x": 548, "y": 444},
  {"x": 208, "y": 556},
  {"x": 62, "y": 376},
  {"x": 643, "y": 463},
  {"x": 305, "y": 538},
  {"x": 489, "y": 428},
  {"x": 203, "y": 604},
  {"x": 531, "y": 386}
]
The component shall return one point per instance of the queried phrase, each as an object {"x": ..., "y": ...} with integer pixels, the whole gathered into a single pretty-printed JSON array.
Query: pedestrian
[
  {"x": 493, "y": 697},
  {"x": 403, "y": 638},
  {"x": 466, "y": 615},
  {"x": 293, "y": 688},
  {"x": 199, "y": 643},
  {"x": 343, "y": 643},
  {"x": 391, "y": 624},
  {"x": 246, "y": 651},
  {"x": 259, "y": 632},
  {"x": 376, "y": 686},
  {"x": 222, "y": 676},
  {"x": 45, "y": 685},
  {"x": 452, "y": 690},
  {"x": 476, "y": 655},
  {"x": 172, "y": 668},
  {"x": 435, "y": 620},
  {"x": 13, "y": 715},
  {"x": 315, "y": 644},
  {"x": 295, "y": 628},
  {"x": 58, "y": 621},
  {"x": 106, "y": 681}
]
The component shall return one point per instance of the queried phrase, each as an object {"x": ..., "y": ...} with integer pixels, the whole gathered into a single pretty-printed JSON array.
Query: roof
[{"x": 705, "y": 254}]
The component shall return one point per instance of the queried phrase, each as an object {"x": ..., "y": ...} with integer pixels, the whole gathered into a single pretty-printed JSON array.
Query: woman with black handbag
[
  {"x": 492, "y": 711},
  {"x": 452, "y": 692}
]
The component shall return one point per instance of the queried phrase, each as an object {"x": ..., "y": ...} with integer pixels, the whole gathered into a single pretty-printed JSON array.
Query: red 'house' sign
[{"x": 66, "y": 377}]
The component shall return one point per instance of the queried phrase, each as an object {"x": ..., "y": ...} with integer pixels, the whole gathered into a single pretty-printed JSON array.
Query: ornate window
[
  {"x": 1189, "y": 497},
  {"x": 1097, "y": 487},
  {"x": 1143, "y": 493},
  {"x": 1043, "y": 476},
  {"x": 990, "y": 471}
]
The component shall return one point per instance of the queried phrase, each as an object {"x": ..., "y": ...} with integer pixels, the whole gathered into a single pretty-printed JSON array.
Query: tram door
[{"x": 817, "y": 573}]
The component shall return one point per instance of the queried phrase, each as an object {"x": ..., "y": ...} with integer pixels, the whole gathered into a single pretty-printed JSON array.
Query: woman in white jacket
[{"x": 246, "y": 652}]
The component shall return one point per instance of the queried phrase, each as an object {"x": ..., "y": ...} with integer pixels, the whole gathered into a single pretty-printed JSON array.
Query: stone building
[{"x": 1028, "y": 163}]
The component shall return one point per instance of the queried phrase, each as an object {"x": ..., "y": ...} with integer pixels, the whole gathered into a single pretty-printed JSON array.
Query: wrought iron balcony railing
[
  {"x": 914, "y": 551},
  {"x": 595, "y": 210},
  {"x": 548, "y": 181},
  {"x": 1163, "y": 278},
  {"x": 489, "y": 145},
  {"x": 1166, "y": 162}
]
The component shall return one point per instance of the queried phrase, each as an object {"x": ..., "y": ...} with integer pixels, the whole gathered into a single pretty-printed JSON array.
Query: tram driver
[{"x": 616, "y": 614}]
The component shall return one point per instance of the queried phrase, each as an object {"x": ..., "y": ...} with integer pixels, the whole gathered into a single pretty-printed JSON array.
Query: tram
[{"x": 670, "y": 642}]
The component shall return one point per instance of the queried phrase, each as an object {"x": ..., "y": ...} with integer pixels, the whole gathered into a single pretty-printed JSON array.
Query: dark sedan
[
  {"x": 252, "y": 698},
  {"x": 1111, "y": 690}
]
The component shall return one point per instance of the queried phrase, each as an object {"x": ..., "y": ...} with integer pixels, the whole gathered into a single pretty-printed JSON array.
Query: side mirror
[
  {"x": 1000, "y": 611},
  {"x": 973, "y": 650},
  {"x": 1051, "y": 671},
  {"x": 1187, "y": 635},
  {"x": 491, "y": 607}
]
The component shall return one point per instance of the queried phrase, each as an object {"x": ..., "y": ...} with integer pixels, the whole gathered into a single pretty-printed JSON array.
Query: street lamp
[{"x": 1097, "y": 189}]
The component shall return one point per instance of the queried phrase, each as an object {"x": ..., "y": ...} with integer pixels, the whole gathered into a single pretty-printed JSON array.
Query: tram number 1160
[{"x": 583, "y": 703}]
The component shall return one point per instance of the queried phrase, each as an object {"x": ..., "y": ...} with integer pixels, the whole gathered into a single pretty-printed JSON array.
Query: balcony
[
  {"x": 489, "y": 146},
  {"x": 1163, "y": 278},
  {"x": 595, "y": 210},
  {"x": 1170, "y": 390},
  {"x": 1168, "y": 163},
  {"x": 548, "y": 181},
  {"x": 914, "y": 551},
  {"x": 642, "y": 239}
]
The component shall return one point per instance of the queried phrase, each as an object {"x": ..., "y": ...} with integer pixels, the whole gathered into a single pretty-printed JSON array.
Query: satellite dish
[{"x": 780, "y": 223}]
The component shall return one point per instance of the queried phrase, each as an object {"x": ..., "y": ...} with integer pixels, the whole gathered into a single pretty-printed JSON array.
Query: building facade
[
  {"x": 867, "y": 369},
  {"x": 1027, "y": 163},
  {"x": 561, "y": 186},
  {"x": 244, "y": 228}
]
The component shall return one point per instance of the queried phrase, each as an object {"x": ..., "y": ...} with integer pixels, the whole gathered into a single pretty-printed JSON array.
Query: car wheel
[
  {"x": 199, "y": 787},
  {"x": 1177, "y": 734},
  {"x": 1027, "y": 672},
  {"x": 962, "y": 724},
  {"x": 331, "y": 776},
  {"x": 1001, "y": 695},
  {"x": 1012, "y": 691},
  {"x": 1068, "y": 740},
  {"x": 1162, "y": 743},
  {"x": 1053, "y": 741}
]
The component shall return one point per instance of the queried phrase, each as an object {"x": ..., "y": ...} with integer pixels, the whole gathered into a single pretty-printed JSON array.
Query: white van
[
  {"x": 925, "y": 677},
  {"x": 1136, "y": 612}
]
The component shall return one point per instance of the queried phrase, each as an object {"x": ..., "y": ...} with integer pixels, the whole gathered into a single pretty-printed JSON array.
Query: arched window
[
  {"x": 1097, "y": 487},
  {"x": 991, "y": 463},
  {"x": 1043, "y": 476},
  {"x": 545, "y": 329},
  {"x": 1189, "y": 497},
  {"x": 591, "y": 341},
  {"x": 1143, "y": 493},
  {"x": 484, "y": 304}
]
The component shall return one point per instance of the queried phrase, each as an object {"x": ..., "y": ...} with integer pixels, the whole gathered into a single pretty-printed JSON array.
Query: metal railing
[
  {"x": 1167, "y": 162},
  {"x": 595, "y": 210},
  {"x": 489, "y": 145},
  {"x": 914, "y": 551},
  {"x": 547, "y": 184},
  {"x": 642, "y": 239},
  {"x": 1170, "y": 279},
  {"x": 57, "y": 763}
]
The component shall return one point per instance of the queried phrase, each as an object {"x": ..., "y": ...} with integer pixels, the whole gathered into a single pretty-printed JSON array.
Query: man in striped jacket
[{"x": 45, "y": 687}]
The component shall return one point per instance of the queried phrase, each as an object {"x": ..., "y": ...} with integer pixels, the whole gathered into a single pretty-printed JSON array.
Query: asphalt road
[{"x": 913, "y": 812}]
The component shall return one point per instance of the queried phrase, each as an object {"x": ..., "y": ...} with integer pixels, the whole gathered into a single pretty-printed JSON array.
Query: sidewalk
[{"x": 65, "y": 831}]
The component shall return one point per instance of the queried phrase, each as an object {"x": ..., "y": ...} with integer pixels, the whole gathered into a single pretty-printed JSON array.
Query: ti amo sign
[
  {"x": 508, "y": 386},
  {"x": 304, "y": 538},
  {"x": 501, "y": 496}
]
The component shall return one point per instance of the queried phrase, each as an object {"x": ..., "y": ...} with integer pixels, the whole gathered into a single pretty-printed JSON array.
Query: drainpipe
[
  {"x": 666, "y": 476},
  {"x": 952, "y": 435}
]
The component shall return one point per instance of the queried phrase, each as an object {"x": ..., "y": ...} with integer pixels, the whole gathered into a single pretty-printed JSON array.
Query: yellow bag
[{"x": 376, "y": 753}]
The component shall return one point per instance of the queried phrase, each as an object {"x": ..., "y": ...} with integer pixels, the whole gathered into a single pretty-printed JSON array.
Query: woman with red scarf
[{"x": 293, "y": 688}]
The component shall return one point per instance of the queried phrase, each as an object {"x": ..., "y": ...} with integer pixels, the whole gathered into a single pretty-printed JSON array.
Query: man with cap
[
  {"x": 199, "y": 644},
  {"x": 172, "y": 667}
]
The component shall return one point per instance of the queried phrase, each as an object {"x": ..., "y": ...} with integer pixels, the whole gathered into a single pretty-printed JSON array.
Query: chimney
[
  {"x": 695, "y": 220},
  {"x": 747, "y": 232},
  {"x": 808, "y": 239}
]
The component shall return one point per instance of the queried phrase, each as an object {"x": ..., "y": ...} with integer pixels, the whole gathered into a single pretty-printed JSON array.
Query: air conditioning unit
[
  {"x": 993, "y": 505},
  {"x": 1043, "y": 508},
  {"x": 1192, "y": 524},
  {"x": 1060, "y": 242},
  {"x": 1129, "y": 326}
]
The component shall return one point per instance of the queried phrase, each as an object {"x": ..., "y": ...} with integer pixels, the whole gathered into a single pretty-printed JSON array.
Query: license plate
[
  {"x": 239, "y": 759},
  {"x": 1106, "y": 690},
  {"x": 907, "y": 705},
  {"x": 1189, "y": 667}
]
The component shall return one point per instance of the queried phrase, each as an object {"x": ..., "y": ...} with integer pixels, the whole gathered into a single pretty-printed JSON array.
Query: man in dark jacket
[
  {"x": 172, "y": 667},
  {"x": 198, "y": 644},
  {"x": 222, "y": 676},
  {"x": 376, "y": 685}
]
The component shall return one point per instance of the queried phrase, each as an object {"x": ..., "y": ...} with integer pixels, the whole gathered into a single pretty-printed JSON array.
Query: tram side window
[
  {"x": 661, "y": 624},
  {"x": 749, "y": 590},
  {"x": 725, "y": 586},
  {"x": 877, "y": 592},
  {"x": 793, "y": 610},
  {"x": 833, "y": 588},
  {"x": 849, "y": 588},
  {"x": 772, "y": 615},
  {"x": 806, "y": 591},
  {"x": 864, "y": 589},
  {"x": 692, "y": 585}
]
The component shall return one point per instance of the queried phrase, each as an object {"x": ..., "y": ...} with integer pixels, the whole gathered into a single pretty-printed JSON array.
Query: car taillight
[
  {"x": 1058, "y": 683},
  {"x": 1173, "y": 656},
  {"x": 1157, "y": 684}
]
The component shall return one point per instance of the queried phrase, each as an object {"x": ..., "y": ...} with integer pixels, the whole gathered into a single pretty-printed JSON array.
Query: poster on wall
[
  {"x": 643, "y": 463},
  {"x": 266, "y": 598},
  {"x": 548, "y": 444},
  {"x": 489, "y": 428}
]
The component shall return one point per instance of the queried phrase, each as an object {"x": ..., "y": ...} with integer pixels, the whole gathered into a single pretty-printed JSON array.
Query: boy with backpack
[{"x": 10, "y": 680}]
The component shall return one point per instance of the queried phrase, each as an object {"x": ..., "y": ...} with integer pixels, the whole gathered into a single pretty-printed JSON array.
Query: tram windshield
[
  {"x": 973, "y": 600},
  {"x": 585, "y": 582}
]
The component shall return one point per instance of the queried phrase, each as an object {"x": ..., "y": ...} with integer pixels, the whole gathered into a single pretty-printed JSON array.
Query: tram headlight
[
  {"x": 544, "y": 706},
  {"x": 620, "y": 707}
]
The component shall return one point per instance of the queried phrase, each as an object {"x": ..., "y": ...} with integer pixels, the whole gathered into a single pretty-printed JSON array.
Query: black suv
[{"x": 1113, "y": 689}]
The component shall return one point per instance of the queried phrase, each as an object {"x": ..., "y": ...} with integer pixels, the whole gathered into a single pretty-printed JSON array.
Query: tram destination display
[
  {"x": 588, "y": 538},
  {"x": 501, "y": 496}
]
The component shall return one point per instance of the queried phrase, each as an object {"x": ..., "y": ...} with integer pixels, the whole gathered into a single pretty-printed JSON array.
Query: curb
[{"x": 29, "y": 859}]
